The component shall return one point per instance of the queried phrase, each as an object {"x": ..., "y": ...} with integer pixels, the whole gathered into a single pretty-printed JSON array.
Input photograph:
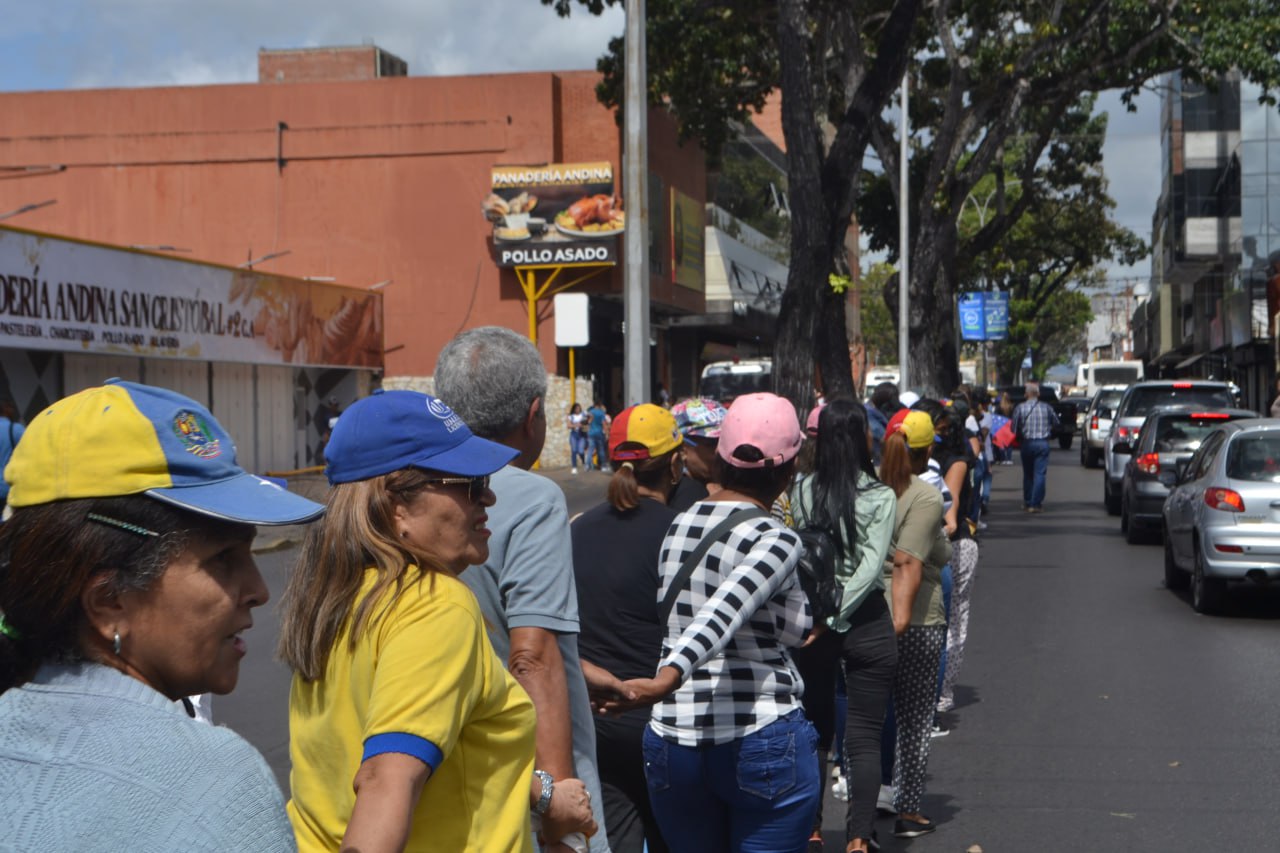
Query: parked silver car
[
  {"x": 1138, "y": 401},
  {"x": 1169, "y": 435},
  {"x": 1222, "y": 519},
  {"x": 1097, "y": 423}
]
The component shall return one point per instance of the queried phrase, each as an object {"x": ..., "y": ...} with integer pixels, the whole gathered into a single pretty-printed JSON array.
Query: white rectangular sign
[
  {"x": 572, "y": 320},
  {"x": 67, "y": 295}
]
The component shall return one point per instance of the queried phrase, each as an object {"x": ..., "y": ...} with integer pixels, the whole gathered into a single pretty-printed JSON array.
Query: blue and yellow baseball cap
[{"x": 123, "y": 438}]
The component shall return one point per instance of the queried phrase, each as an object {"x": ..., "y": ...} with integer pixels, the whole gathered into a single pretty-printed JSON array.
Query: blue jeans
[
  {"x": 578, "y": 447},
  {"x": 1035, "y": 465},
  {"x": 756, "y": 794},
  {"x": 981, "y": 487},
  {"x": 601, "y": 450}
]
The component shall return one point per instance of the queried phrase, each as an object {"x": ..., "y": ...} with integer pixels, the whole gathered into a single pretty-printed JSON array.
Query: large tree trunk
[
  {"x": 934, "y": 370},
  {"x": 812, "y": 351}
]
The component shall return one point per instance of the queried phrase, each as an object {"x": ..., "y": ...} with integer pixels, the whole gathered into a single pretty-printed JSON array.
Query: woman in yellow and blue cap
[{"x": 126, "y": 584}]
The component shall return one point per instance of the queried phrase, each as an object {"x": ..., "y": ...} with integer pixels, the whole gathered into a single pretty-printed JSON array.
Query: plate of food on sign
[{"x": 592, "y": 217}]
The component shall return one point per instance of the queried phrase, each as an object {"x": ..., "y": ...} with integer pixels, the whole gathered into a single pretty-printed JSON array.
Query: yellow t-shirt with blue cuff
[{"x": 422, "y": 680}]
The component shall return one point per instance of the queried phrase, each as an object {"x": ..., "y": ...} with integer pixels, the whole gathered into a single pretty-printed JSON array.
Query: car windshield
[
  {"x": 1108, "y": 399},
  {"x": 1146, "y": 399},
  {"x": 1255, "y": 457},
  {"x": 1183, "y": 433}
]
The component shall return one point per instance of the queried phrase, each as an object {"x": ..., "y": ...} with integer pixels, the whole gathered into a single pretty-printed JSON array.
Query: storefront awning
[{"x": 1187, "y": 362}]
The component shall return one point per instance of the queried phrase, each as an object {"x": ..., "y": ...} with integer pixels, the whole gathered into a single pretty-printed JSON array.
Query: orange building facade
[{"x": 369, "y": 183}]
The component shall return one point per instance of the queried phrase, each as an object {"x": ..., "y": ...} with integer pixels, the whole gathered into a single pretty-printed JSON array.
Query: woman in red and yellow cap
[{"x": 617, "y": 607}]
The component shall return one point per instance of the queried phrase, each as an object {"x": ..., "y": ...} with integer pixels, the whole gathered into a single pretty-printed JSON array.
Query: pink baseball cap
[
  {"x": 765, "y": 422},
  {"x": 811, "y": 423}
]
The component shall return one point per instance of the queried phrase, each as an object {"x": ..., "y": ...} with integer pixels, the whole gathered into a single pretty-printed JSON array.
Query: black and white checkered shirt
[{"x": 730, "y": 628}]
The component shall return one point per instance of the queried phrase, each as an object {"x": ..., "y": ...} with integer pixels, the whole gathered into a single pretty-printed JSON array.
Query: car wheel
[
  {"x": 1109, "y": 498},
  {"x": 1207, "y": 594},
  {"x": 1174, "y": 577},
  {"x": 1133, "y": 533},
  {"x": 1064, "y": 441}
]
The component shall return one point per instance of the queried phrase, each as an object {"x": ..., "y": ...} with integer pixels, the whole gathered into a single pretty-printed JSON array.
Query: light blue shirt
[{"x": 92, "y": 759}]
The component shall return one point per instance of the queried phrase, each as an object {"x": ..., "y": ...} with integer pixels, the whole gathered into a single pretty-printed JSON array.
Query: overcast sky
[{"x": 65, "y": 44}]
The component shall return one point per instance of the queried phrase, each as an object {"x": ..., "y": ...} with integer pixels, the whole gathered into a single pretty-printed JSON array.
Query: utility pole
[
  {"x": 635, "y": 298},
  {"x": 904, "y": 250}
]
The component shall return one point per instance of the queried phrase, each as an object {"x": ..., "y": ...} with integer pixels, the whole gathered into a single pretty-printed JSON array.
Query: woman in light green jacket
[{"x": 844, "y": 496}]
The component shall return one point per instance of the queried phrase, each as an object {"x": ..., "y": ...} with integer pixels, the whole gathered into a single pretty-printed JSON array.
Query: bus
[{"x": 1093, "y": 375}]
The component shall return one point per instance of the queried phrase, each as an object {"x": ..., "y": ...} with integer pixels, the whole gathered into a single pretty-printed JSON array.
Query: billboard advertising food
[
  {"x": 68, "y": 295},
  {"x": 554, "y": 214},
  {"x": 688, "y": 241}
]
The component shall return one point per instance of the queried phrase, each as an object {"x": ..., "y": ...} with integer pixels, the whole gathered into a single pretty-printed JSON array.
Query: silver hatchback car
[{"x": 1222, "y": 517}]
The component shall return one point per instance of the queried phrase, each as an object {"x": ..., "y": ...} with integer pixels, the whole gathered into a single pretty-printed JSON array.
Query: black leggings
[
  {"x": 870, "y": 655},
  {"x": 819, "y": 666}
]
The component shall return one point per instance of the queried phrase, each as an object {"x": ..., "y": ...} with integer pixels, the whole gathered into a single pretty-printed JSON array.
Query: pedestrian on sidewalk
[
  {"x": 127, "y": 580},
  {"x": 844, "y": 495},
  {"x": 616, "y": 547},
  {"x": 495, "y": 381},
  {"x": 730, "y": 760},
  {"x": 913, "y": 574},
  {"x": 576, "y": 423},
  {"x": 699, "y": 420},
  {"x": 403, "y": 724},
  {"x": 597, "y": 433},
  {"x": 1033, "y": 423}
]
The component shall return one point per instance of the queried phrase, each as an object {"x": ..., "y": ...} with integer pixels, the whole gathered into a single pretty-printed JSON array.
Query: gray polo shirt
[{"x": 528, "y": 583}]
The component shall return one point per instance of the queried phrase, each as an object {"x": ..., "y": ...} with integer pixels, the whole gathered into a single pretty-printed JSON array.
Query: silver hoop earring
[{"x": 116, "y": 644}]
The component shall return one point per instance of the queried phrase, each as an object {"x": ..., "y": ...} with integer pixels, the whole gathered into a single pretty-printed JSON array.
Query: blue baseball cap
[
  {"x": 124, "y": 438},
  {"x": 391, "y": 430}
]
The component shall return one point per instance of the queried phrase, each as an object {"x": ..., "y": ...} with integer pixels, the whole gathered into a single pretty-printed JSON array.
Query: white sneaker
[
  {"x": 573, "y": 470},
  {"x": 840, "y": 789},
  {"x": 884, "y": 802},
  {"x": 939, "y": 731}
]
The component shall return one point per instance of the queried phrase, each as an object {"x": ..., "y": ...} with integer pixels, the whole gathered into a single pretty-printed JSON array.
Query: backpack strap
[{"x": 691, "y": 562}]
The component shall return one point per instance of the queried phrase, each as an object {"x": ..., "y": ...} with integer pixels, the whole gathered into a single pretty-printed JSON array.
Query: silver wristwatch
[{"x": 548, "y": 788}]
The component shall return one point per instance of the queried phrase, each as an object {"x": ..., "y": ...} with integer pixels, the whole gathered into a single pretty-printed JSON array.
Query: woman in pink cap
[{"x": 730, "y": 760}]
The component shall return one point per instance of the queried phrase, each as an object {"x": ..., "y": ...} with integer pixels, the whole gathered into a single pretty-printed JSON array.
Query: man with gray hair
[
  {"x": 1033, "y": 423},
  {"x": 495, "y": 381}
]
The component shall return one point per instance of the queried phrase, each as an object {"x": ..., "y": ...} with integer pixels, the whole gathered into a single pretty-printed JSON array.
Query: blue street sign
[
  {"x": 997, "y": 315},
  {"x": 984, "y": 316},
  {"x": 973, "y": 326}
]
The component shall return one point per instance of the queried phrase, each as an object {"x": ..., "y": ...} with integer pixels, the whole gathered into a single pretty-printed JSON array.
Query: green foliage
[
  {"x": 1000, "y": 93},
  {"x": 879, "y": 333},
  {"x": 1053, "y": 328}
]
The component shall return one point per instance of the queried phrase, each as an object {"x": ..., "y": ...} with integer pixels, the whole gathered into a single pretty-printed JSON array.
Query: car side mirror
[{"x": 1181, "y": 466}]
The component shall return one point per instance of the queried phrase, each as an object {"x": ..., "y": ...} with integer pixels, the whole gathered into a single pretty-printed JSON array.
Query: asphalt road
[{"x": 1095, "y": 711}]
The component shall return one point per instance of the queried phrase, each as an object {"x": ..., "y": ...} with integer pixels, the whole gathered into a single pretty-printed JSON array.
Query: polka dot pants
[
  {"x": 964, "y": 565},
  {"x": 915, "y": 692}
]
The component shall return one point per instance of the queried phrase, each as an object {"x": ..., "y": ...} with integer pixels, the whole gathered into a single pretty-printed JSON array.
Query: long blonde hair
[{"x": 356, "y": 533}]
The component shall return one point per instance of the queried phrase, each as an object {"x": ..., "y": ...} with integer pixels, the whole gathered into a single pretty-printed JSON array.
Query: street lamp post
[{"x": 635, "y": 297}]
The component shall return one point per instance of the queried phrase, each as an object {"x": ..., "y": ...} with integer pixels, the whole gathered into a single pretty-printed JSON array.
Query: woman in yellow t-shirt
[{"x": 405, "y": 730}]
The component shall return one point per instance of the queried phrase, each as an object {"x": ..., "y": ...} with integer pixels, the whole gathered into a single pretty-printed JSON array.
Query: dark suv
[
  {"x": 1139, "y": 400},
  {"x": 1168, "y": 436}
]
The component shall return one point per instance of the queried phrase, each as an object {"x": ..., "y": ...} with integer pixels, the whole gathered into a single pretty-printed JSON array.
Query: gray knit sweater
[{"x": 91, "y": 759}]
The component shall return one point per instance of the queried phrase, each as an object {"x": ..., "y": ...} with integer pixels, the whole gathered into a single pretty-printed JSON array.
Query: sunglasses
[{"x": 476, "y": 486}]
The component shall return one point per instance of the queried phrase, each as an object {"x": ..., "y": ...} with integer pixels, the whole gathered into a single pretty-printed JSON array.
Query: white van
[
  {"x": 726, "y": 380},
  {"x": 1093, "y": 375}
]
